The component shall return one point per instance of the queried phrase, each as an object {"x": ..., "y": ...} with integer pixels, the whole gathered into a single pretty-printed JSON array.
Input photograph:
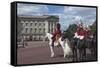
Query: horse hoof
[
  {"x": 64, "y": 56},
  {"x": 52, "y": 55}
]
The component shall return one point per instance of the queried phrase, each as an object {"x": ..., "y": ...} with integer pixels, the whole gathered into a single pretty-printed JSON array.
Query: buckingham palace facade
[{"x": 35, "y": 27}]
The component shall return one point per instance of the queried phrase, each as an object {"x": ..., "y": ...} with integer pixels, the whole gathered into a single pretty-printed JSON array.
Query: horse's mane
[{"x": 49, "y": 34}]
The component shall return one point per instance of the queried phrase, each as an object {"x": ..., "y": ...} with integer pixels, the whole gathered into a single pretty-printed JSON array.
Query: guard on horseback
[
  {"x": 79, "y": 34},
  {"x": 56, "y": 34},
  {"x": 87, "y": 31},
  {"x": 79, "y": 40},
  {"x": 80, "y": 31}
]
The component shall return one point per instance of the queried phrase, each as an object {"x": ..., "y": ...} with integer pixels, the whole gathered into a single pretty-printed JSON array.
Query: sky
[{"x": 67, "y": 14}]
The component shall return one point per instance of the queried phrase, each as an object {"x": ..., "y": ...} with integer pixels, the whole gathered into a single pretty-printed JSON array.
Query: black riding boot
[{"x": 53, "y": 43}]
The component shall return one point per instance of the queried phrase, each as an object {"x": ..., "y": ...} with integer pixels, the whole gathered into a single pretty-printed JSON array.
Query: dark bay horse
[{"x": 79, "y": 46}]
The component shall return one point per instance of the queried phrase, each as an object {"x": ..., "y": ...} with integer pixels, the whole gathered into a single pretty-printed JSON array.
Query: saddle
[
  {"x": 78, "y": 36},
  {"x": 57, "y": 38}
]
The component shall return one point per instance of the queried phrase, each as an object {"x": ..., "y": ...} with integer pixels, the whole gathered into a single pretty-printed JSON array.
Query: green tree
[
  {"x": 93, "y": 29},
  {"x": 72, "y": 28},
  {"x": 70, "y": 31}
]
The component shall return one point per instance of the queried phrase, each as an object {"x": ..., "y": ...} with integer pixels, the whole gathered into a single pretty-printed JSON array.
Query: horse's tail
[{"x": 67, "y": 47}]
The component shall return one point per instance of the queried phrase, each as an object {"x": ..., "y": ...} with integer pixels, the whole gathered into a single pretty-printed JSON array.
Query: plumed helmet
[{"x": 58, "y": 26}]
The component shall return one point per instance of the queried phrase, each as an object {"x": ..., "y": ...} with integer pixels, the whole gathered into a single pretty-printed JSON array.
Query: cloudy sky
[{"x": 67, "y": 14}]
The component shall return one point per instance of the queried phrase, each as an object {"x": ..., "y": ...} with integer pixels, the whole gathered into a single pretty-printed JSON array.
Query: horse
[
  {"x": 74, "y": 48},
  {"x": 64, "y": 44},
  {"x": 78, "y": 47},
  {"x": 90, "y": 43},
  {"x": 73, "y": 38}
]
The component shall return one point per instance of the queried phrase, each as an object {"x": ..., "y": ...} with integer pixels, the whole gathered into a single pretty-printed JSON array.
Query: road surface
[{"x": 39, "y": 52}]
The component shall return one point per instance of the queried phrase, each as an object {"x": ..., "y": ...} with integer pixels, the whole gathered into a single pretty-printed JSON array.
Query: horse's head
[
  {"x": 48, "y": 35},
  {"x": 64, "y": 36}
]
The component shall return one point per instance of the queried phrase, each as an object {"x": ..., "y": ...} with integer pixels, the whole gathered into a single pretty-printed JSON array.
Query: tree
[
  {"x": 70, "y": 31},
  {"x": 93, "y": 28},
  {"x": 72, "y": 28}
]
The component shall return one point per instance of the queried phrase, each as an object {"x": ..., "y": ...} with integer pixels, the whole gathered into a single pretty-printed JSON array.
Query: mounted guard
[
  {"x": 56, "y": 34},
  {"x": 80, "y": 33}
]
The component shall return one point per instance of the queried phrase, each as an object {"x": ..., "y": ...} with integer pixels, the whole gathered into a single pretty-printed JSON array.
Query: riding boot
[{"x": 53, "y": 43}]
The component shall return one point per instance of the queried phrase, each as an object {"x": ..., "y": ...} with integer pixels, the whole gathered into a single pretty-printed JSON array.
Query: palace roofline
[{"x": 43, "y": 16}]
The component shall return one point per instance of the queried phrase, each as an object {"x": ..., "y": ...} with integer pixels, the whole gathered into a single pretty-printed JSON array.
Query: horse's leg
[
  {"x": 62, "y": 45},
  {"x": 81, "y": 54},
  {"x": 75, "y": 53},
  {"x": 83, "y": 50},
  {"x": 84, "y": 53},
  {"x": 51, "y": 49},
  {"x": 73, "y": 50}
]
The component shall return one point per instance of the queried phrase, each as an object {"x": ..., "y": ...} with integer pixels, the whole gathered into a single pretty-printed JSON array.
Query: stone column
[
  {"x": 50, "y": 27},
  {"x": 53, "y": 27}
]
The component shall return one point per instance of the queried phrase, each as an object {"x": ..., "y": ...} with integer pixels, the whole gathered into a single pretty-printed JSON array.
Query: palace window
[
  {"x": 30, "y": 30},
  {"x": 26, "y": 30},
  {"x": 44, "y": 24},
  {"x": 31, "y": 24},
  {"x": 35, "y": 30},
  {"x": 26, "y": 24},
  {"x": 35, "y": 24},
  {"x": 39, "y": 30},
  {"x": 44, "y": 30},
  {"x": 39, "y": 24}
]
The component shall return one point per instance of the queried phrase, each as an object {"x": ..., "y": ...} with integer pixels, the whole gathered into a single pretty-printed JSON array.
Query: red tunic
[
  {"x": 87, "y": 33},
  {"x": 55, "y": 33},
  {"x": 80, "y": 31}
]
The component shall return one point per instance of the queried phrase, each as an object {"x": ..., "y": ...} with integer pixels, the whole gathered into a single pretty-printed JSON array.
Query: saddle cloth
[
  {"x": 78, "y": 36},
  {"x": 57, "y": 38}
]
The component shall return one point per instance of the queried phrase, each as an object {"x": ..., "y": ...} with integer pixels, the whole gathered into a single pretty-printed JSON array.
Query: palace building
[{"x": 35, "y": 27}]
